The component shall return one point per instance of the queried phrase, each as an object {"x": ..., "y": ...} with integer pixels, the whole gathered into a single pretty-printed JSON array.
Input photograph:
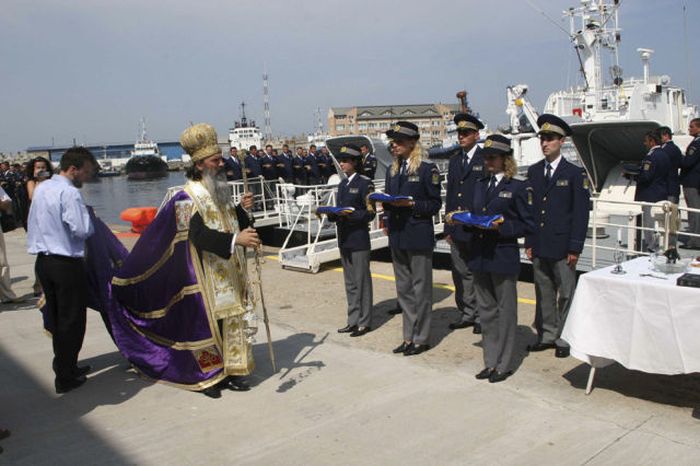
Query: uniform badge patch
[
  {"x": 646, "y": 166},
  {"x": 529, "y": 196},
  {"x": 586, "y": 184},
  {"x": 562, "y": 182},
  {"x": 691, "y": 150},
  {"x": 354, "y": 190},
  {"x": 478, "y": 168},
  {"x": 505, "y": 194},
  {"x": 414, "y": 179},
  {"x": 435, "y": 177}
]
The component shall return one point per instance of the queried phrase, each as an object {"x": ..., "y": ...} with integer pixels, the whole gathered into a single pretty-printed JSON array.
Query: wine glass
[{"x": 618, "y": 257}]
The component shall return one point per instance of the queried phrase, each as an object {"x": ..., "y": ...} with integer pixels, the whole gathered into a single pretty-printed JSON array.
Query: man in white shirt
[{"x": 59, "y": 224}]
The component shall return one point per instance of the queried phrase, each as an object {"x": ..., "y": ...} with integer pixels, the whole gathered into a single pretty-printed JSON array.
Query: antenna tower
[{"x": 266, "y": 106}]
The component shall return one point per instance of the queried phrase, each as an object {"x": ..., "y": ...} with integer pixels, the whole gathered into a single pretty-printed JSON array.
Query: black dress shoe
[
  {"x": 395, "y": 311},
  {"x": 561, "y": 352},
  {"x": 347, "y": 329},
  {"x": 402, "y": 347},
  {"x": 416, "y": 349},
  {"x": 496, "y": 376},
  {"x": 539, "y": 346},
  {"x": 477, "y": 329},
  {"x": 485, "y": 374},
  {"x": 212, "y": 392},
  {"x": 360, "y": 331},
  {"x": 461, "y": 324},
  {"x": 64, "y": 386},
  {"x": 237, "y": 384}
]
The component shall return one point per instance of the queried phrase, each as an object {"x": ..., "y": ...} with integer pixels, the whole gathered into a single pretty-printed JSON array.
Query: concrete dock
[{"x": 335, "y": 399}]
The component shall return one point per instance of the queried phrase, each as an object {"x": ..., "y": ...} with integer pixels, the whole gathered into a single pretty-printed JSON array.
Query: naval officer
[
  {"x": 465, "y": 168},
  {"x": 353, "y": 240},
  {"x": 560, "y": 206},
  {"x": 369, "y": 161},
  {"x": 652, "y": 184},
  {"x": 494, "y": 257},
  {"x": 411, "y": 235},
  {"x": 690, "y": 180}
]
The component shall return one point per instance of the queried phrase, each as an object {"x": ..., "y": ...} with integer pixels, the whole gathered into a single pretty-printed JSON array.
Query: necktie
[
  {"x": 548, "y": 173},
  {"x": 465, "y": 161},
  {"x": 492, "y": 186},
  {"x": 403, "y": 167}
]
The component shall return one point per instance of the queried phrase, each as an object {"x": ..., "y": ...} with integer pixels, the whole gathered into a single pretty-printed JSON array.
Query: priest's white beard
[{"x": 215, "y": 182}]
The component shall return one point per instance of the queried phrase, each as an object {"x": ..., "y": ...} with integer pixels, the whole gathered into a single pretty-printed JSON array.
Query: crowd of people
[{"x": 303, "y": 167}]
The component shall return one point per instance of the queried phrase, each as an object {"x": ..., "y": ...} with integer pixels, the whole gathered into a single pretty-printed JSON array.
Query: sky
[{"x": 90, "y": 69}]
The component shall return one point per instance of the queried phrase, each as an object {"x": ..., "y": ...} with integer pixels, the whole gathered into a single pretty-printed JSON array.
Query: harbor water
[{"x": 110, "y": 196}]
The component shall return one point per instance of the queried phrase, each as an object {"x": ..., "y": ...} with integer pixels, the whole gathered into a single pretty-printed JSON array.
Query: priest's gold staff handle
[{"x": 258, "y": 270}]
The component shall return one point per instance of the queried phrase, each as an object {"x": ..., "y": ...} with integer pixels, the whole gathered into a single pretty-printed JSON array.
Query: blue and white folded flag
[
  {"x": 325, "y": 210},
  {"x": 383, "y": 197},
  {"x": 472, "y": 220}
]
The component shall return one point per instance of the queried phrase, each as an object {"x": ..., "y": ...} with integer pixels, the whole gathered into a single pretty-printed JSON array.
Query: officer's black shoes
[
  {"x": 539, "y": 346},
  {"x": 237, "y": 384},
  {"x": 347, "y": 329},
  {"x": 477, "y": 329},
  {"x": 395, "y": 311},
  {"x": 485, "y": 374},
  {"x": 360, "y": 331},
  {"x": 212, "y": 392},
  {"x": 64, "y": 386},
  {"x": 402, "y": 347},
  {"x": 562, "y": 352},
  {"x": 461, "y": 324},
  {"x": 82, "y": 370},
  {"x": 496, "y": 376},
  {"x": 416, "y": 349}
]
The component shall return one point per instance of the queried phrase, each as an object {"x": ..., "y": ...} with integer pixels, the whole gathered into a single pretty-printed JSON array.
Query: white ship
[
  {"x": 610, "y": 118},
  {"x": 244, "y": 134}
]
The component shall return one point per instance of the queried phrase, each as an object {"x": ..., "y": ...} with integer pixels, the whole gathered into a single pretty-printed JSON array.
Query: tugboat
[
  {"x": 244, "y": 133},
  {"x": 145, "y": 162}
]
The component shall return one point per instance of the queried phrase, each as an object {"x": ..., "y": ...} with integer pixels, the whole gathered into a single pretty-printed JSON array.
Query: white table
[{"x": 644, "y": 323}]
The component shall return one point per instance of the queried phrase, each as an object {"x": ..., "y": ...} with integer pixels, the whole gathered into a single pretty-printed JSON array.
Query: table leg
[{"x": 589, "y": 385}]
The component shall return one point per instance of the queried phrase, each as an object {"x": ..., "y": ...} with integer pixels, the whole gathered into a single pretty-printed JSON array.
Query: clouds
[{"x": 91, "y": 69}]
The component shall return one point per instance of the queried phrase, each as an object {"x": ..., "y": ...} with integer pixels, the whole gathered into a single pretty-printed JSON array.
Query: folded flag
[
  {"x": 472, "y": 220},
  {"x": 383, "y": 197},
  {"x": 325, "y": 210}
]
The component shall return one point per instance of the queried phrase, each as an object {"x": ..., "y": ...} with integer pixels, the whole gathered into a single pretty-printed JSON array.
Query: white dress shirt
[{"x": 59, "y": 222}]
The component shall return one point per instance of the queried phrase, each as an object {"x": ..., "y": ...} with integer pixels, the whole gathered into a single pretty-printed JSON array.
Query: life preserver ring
[{"x": 140, "y": 217}]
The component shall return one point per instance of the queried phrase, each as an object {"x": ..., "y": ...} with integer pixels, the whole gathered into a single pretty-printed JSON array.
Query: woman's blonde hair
[
  {"x": 414, "y": 160},
  {"x": 510, "y": 166}
]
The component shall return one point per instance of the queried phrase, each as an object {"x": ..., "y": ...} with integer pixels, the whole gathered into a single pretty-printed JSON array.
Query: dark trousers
[{"x": 65, "y": 289}]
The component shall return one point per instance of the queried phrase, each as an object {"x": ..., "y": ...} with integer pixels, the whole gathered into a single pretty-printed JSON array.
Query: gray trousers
[
  {"x": 647, "y": 235},
  {"x": 465, "y": 297},
  {"x": 414, "y": 287},
  {"x": 555, "y": 283},
  {"x": 358, "y": 286},
  {"x": 692, "y": 199},
  {"x": 497, "y": 302}
]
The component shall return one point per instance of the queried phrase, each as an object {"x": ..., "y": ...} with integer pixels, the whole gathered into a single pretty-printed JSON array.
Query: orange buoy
[{"x": 140, "y": 217}]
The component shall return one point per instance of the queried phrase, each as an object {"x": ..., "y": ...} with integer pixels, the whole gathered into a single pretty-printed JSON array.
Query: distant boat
[
  {"x": 244, "y": 133},
  {"x": 107, "y": 169},
  {"x": 146, "y": 162}
]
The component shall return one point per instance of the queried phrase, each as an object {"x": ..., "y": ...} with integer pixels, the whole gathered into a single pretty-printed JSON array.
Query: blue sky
[{"x": 90, "y": 69}]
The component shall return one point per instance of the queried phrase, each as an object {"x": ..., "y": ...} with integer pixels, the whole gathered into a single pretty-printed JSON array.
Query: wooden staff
[{"x": 258, "y": 270}]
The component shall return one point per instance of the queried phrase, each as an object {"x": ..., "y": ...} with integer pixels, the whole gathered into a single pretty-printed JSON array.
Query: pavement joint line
[
  {"x": 391, "y": 278},
  {"x": 616, "y": 440}
]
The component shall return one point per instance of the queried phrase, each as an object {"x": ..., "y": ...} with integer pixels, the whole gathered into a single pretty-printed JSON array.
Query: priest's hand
[
  {"x": 247, "y": 201},
  {"x": 248, "y": 238}
]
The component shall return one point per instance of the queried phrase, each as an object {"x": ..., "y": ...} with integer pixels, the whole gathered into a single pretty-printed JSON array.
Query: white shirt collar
[
  {"x": 553, "y": 164},
  {"x": 351, "y": 177},
  {"x": 652, "y": 150},
  {"x": 499, "y": 177},
  {"x": 471, "y": 152}
]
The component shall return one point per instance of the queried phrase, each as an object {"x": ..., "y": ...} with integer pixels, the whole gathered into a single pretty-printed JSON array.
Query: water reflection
[{"x": 110, "y": 196}]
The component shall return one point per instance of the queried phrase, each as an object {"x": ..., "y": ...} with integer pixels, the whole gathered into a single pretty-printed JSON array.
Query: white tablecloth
[{"x": 644, "y": 323}]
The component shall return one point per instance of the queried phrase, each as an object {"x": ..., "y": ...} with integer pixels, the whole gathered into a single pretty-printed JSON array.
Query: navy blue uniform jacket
[
  {"x": 460, "y": 190},
  {"x": 233, "y": 169},
  {"x": 497, "y": 251},
  {"x": 411, "y": 228},
  {"x": 674, "y": 158},
  {"x": 353, "y": 229},
  {"x": 268, "y": 166},
  {"x": 283, "y": 164},
  {"x": 369, "y": 166},
  {"x": 252, "y": 166},
  {"x": 310, "y": 165},
  {"x": 690, "y": 165},
  {"x": 560, "y": 210},
  {"x": 652, "y": 182}
]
